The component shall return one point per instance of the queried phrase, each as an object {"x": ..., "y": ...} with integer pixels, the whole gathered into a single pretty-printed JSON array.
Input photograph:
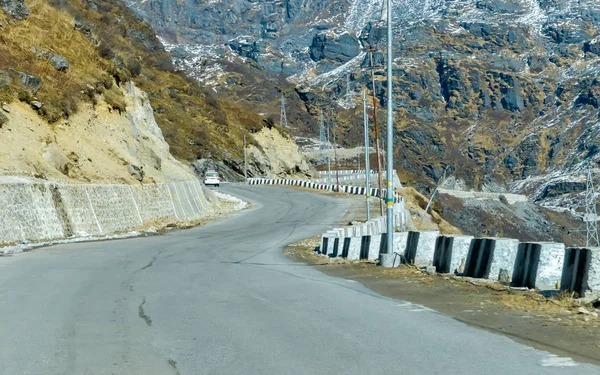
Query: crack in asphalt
[
  {"x": 143, "y": 315},
  {"x": 149, "y": 264},
  {"x": 173, "y": 364}
]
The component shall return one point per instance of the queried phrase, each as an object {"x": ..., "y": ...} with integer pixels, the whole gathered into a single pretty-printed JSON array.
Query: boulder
[
  {"x": 29, "y": 82},
  {"x": 135, "y": 171},
  {"x": 36, "y": 105},
  {"x": 15, "y": 8},
  {"x": 59, "y": 63}
]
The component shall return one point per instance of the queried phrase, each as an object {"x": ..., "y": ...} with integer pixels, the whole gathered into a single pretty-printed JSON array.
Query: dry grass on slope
[
  {"x": 52, "y": 31},
  {"x": 112, "y": 45}
]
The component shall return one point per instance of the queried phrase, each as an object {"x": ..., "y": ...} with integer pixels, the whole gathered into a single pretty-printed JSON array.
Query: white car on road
[{"x": 212, "y": 178}]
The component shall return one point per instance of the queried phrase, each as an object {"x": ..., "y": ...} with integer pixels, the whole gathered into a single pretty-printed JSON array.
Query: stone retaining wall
[{"x": 38, "y": 210}]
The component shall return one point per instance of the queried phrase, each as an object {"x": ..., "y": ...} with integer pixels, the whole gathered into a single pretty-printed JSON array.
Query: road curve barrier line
[
  {"x": 191, "y": 211},
  {"x": 193, "y": 198}
]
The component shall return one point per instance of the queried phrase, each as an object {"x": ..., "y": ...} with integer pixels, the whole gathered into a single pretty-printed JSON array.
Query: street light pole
[
  {"x": 367, "y": 161},
  {"x": 245, "y": 162},
  {"x": 390, "y": 135}
]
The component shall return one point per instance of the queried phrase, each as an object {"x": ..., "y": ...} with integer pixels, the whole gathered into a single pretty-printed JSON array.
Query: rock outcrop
[{"x": 15, "y": 8}]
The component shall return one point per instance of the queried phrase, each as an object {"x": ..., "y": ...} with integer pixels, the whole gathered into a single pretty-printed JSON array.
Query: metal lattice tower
[
  {"x": 349, "y": 93},
  {"x": 283, "y": 117},
  {"x": 591, "y": 217}
]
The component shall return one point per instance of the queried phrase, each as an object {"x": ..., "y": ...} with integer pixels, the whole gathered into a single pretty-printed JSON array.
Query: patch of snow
[{"x": 239, "y": 203}]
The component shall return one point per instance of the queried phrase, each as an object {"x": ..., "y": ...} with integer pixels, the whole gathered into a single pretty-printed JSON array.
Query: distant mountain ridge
[{"x": 494, "y": 91}]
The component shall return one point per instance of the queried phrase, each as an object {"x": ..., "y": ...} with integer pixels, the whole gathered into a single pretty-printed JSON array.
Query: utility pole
[
  {"x": 591, "y": 217},
  {"x": 377, "y": 146},
  {"x": 283, "y": 117},
  {"x": 337, "y": 166},
  {"x": 367, "y": 162},
  {"x": 328, "y": 157},
  {"x": 390, "y": 135},
  {"x": 245, "y": 162},
  {"x": 321, "y": 132},
  {"x": 348, "y": 98}
]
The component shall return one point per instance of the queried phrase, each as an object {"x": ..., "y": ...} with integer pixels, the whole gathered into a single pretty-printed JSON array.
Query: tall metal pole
[
  {"x": 367, "y": 161},
  {"x": 328, "y": 157},
  {"x": 390, "y": 135},
  {"x": 337, "y": 166},
  {"x": 245, "y": 162},
  {"x": 377, "y": 147}
]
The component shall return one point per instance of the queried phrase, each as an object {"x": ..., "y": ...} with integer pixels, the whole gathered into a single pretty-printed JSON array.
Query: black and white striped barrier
[
  {"x": 451, "y": 252},
  {"x": 531, "y": 265},
  {"x": 374, "y": 192}
]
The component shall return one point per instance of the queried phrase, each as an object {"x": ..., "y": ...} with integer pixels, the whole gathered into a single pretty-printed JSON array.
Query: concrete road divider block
[
  {"x": 526, "y": 265},
  {"x": 426, "y": 248},
  {"x": 443, "y": 254},
  {"x": 594, "y": 270},
  {"x": 377, "y": 245},
  {"x": 550, "y": 267},
  {"x": 327, "y": 242},
  {"x": 461, "y": 245},
  {"x": 364, "y": 247},
  {"x": 336, "y": 248},
  {"x": 335, "y": 245},
  {"x": 575, "y": 272},
  {"x": 397, "y": 256},
  {"x": 354, "y": 247},
  {"x": 412, "y": 241},
  {"x": 479, "y": 260},
  {"x": 505, "y": 253}
]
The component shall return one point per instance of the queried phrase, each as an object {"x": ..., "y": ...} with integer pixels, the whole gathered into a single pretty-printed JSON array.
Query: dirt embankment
[{"x": 96, "y": 144}]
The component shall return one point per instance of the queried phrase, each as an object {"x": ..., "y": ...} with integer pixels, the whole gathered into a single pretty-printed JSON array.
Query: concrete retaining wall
[{"x": 37, "y": 210}]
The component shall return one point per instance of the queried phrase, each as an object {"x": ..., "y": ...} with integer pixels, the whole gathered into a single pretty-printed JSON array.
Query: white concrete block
[
  {"x": 550, "y": 266},
  {"x": 374, "y": 247},
  {"x": 594, "y": 271},
  {"x": 460, "y": 250},
  {"x": 354, "y": 249},
  {"x": 505, "y": 254},
  {"x": 426, "y": 248}
]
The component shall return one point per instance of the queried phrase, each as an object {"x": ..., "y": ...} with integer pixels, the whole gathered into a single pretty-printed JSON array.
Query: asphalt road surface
[{"x": 223, "y": 299}]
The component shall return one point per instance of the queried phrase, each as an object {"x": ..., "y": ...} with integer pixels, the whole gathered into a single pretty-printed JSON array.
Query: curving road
[{"x": 223, "y": 299}]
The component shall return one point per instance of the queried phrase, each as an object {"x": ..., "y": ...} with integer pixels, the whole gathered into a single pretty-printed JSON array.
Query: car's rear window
[{"x": 212, "y": 174}]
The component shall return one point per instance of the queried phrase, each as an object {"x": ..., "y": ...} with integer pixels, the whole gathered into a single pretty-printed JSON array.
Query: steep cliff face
[{"x": 494, "y": 91}]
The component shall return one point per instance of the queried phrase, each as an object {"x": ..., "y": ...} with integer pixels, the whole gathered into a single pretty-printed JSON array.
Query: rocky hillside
[
  {"x": 494, "y": 91},
  {"x": 88, "y": 93}
]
